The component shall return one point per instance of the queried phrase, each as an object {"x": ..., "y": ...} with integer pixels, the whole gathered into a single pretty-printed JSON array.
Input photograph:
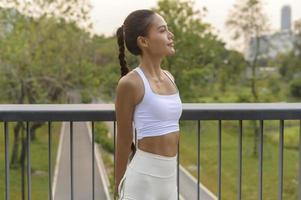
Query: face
[{"x": 159, "y": 41}]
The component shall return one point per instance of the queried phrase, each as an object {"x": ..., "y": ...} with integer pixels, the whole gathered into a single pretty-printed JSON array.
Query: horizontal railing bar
[
  {"x": 207, "y": 109},
  {"x": 191, "y": 111}
]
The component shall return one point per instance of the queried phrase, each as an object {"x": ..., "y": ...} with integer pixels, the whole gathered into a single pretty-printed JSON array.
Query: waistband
[
  {"x": 154, "y": 164},
  {"x": 153, "y": 155}
]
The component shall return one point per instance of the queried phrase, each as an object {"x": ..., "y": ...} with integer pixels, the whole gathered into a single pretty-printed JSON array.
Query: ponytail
[
  {"x": 124, "y": 69},
  {"x": 120, "y": 39}
]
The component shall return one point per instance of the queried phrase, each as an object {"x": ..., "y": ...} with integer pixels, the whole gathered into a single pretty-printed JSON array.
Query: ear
[{"x": 142, "y": 41}]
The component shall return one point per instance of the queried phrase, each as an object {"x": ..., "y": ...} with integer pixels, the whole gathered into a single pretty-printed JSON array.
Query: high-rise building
[
  {"x": 286, "y": 17},
  {"x": 270, "y": 45}
]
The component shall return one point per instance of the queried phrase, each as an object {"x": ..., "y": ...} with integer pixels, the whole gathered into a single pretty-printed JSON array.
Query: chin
[{"x": 170, "y": 53}]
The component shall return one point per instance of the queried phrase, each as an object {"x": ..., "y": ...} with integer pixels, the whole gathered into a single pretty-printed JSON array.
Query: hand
[
  {"x": 116, "y": 197},
  {"x": 116, "y": 192}
]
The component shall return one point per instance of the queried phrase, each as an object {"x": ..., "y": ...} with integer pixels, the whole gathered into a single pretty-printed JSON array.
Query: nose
[{"x": 171, "y": 35}]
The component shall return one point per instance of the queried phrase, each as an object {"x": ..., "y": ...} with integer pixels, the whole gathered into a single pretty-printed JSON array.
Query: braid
[
  {"x": 120, "y": 39},
  {"x": 124, "y": 69}
]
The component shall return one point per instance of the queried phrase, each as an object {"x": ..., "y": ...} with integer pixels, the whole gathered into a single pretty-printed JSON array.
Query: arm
[{"x": 124, "y": 108}]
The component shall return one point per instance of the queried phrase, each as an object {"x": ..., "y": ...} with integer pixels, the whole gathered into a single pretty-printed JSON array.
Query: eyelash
[{"x": 163, "y": 30}]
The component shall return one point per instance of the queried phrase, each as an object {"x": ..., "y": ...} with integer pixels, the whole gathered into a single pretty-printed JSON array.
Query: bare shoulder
[
  {"x": 127, "y": 86},
  {"x": 169, "y": 74},
  {"x": 130, "y": 79}
]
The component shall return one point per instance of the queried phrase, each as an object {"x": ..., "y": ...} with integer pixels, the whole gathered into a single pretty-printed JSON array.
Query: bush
[
  {"x": 102, "y": 138},
  {"x": 274, "y": 86},
  {"x": 290, "y": 139},
  {"x": 243, "y": 97},
  {"x": 86, "y": 97},
  {"x": 295, "y": 88}
]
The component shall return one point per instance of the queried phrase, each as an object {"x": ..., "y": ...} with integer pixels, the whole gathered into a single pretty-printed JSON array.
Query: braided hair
[{"x": 137, "y": 23}]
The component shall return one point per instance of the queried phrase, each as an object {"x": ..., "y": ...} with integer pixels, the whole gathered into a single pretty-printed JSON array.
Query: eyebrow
[{"x": 165, "y": 25}]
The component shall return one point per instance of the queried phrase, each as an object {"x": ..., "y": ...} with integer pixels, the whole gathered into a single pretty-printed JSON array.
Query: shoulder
[
  {"x": 169, "y": 74},
  {"x": 127, "y": 87},
  {"x": 126, "y": 83}
]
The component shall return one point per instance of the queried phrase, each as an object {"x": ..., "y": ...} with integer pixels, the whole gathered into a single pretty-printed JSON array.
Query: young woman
[{"x": 149, "y": 97}]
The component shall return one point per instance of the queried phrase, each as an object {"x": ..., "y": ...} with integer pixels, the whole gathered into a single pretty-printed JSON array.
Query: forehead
[{"x": 158, "y": 21}]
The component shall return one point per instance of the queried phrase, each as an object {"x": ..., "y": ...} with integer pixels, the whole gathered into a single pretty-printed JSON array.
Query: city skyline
[{"x": 109, "y": 15}]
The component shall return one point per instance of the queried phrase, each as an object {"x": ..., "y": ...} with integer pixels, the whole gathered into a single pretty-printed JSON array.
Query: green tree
[
  {"x": 297, "y": 30},
  {"x": 248, "y": 21},
  {"x": 41, "y": 60},
  {"x": 201, "y": 58},
  {"x": 290, "y": 63},
  {"x": 295, "y": 88}
]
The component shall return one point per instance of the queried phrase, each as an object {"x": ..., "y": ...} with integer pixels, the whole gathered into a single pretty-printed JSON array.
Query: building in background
[
  {"x": 286, "y": 15},
  {"x": 271, "y": 45}
]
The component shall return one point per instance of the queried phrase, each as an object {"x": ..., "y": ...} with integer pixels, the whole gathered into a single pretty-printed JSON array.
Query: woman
[{"x": 149, "y": 97}]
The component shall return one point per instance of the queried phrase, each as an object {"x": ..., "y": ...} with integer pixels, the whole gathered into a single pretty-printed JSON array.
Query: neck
[{"x": 152, "y": 67}]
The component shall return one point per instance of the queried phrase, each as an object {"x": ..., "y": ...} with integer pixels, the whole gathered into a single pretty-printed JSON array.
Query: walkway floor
[
  {"x": 82, "y": 168},
  {"x": 83, "y": 165}
]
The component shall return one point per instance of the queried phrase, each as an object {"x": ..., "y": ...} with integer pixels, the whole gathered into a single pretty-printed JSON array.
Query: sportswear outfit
[{"x": 152, "y": 176}]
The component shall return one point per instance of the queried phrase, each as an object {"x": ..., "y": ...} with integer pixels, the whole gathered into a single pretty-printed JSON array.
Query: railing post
[
  {"x": 71, "y": 159},
  {"x": 50, "y": 197},
  {"x": 28, "y": 161},
  {"x": 6, "y": 138},
  {"x": 198, "y": 152},
  {"x": 219, "y": 159},
  {"x": 93, "y": 161},
  {"x": 280, "y": 161},
  {"x": 299, "y": 161},
  {"x": 239, "y": 160},
  {"x": 178, "y": 171},
  {"x": 260, "y": 160}
]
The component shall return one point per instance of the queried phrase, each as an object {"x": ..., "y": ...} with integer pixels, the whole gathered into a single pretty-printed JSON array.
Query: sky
[{"x": 108, "y": 15}]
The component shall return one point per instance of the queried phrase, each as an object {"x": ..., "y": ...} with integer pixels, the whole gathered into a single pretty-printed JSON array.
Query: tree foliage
[
  {"x": 201, "y": 59},
  {"x": 248, "y": 21},
  {"x": 42, "y": 59}
]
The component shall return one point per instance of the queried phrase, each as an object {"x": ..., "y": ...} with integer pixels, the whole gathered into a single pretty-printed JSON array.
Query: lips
[{"x": 171, "y": 44}]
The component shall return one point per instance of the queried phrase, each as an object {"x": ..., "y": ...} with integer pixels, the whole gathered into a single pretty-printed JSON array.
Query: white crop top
[{"x": 156, "y": 114}]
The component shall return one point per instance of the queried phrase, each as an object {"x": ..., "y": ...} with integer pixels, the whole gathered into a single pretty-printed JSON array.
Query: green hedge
[
  {"x": 102, "y": 138},
  {"x": 295, "y": 88}
]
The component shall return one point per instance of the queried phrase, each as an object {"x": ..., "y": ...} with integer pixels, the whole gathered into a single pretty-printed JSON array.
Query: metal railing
[{"x": 191, "y": 111}]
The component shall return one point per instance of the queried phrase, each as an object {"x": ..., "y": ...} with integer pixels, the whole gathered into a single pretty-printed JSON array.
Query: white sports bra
[{"x": 156, "y": 114}]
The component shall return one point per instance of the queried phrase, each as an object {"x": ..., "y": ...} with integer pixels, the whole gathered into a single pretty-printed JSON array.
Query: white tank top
[{"x": 156, "y": 114}]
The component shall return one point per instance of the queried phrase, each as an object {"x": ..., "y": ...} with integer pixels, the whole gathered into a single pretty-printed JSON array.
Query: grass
[
  {"x": 250, "y": 178},
  {"x": 209, "y": 159},
  {"x": 109, "y": 165},
  {"x": 39, "y": 163},
  {"x": 250, "y": 162},
  {"x": 106, "y": 147}
]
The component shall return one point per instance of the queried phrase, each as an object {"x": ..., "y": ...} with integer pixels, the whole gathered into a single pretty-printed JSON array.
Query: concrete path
[
  {"x": 82, "y": 168},
  {"x": 188, "y": 187}
]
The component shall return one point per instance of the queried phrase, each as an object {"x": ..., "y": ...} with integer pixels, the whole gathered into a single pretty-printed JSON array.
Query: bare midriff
[{"x": 165, "y": 145}]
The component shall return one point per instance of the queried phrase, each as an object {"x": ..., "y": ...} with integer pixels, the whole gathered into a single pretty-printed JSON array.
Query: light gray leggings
[{"x": 149, "y": 177}]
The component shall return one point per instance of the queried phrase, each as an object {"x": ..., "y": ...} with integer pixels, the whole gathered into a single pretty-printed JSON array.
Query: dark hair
[{"x": 137, "y": 23}]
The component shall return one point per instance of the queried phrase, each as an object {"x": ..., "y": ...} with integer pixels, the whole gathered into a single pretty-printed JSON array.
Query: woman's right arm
[{"x": 124, "y": 109}]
